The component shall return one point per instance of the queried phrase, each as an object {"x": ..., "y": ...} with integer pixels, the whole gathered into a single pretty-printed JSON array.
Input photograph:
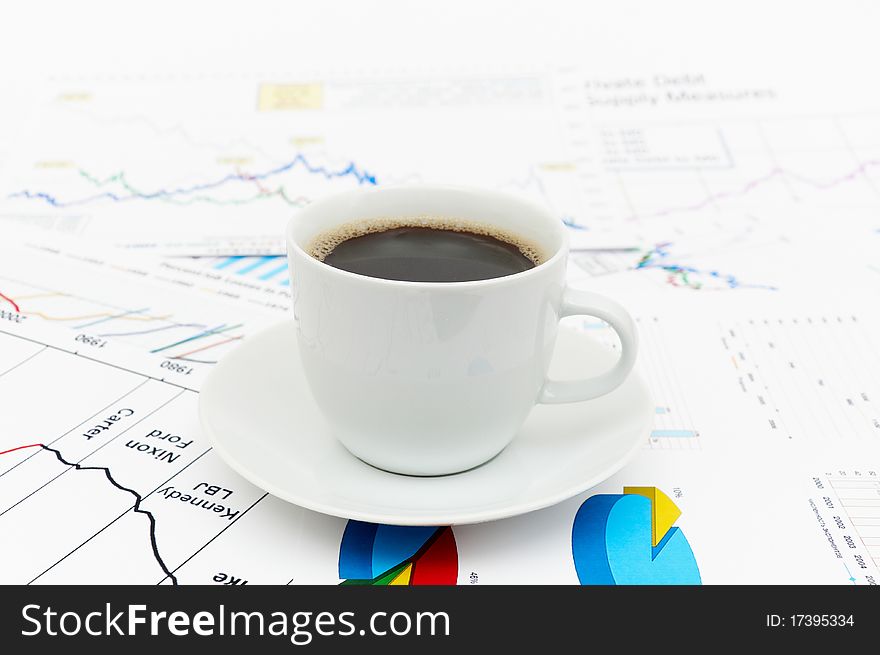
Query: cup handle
[{"x": 576, "y": 302}]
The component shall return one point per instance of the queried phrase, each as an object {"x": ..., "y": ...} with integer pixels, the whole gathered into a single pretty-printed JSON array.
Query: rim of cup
[{"x": 514, "y": 278}]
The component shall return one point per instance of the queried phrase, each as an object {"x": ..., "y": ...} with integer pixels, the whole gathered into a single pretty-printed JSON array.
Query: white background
[{"x": 72, "y": 38}]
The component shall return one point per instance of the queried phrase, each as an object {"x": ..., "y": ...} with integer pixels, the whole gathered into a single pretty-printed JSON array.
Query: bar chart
[{"x": 271, "y": 269}]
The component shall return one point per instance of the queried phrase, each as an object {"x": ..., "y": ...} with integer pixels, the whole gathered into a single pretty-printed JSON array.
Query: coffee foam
[{"x": 323, "y": 244}]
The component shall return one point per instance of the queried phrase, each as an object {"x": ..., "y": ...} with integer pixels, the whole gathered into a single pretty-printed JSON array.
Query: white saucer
[{"x": 257, "y": 409}]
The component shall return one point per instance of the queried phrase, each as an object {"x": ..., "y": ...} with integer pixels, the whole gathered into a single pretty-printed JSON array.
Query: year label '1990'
[
  {"x": 176, "y": 367},
  {"x": 88, "y": 340}
]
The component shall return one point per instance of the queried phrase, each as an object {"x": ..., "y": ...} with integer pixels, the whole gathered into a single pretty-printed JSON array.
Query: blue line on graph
[
  {"x": 658, "y": 257},
  {"x": 256, "y": 263},
  {"x": 206, "y": 333},
  {"x": 569, "y": 222},
  {"x": 228, "y": 261},
  {"x": 152, "y": 330},
  {"x": 110, "y": 318},
  {"x": 673, "y": 433},
  {"x": 268, "y": 275},
  {"x": 849, "y": 573},
  {"x": 286, "y": 282},
  {"x": 362, "y": 177},
  {"x": 661, "y": 410}
]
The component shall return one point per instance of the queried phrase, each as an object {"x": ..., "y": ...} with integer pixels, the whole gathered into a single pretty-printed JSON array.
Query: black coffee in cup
[{"x": 439, "y": 251}]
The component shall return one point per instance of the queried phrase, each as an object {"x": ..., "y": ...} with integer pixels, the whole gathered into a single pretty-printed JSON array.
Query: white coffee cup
[{"x": 432, "y": 378}]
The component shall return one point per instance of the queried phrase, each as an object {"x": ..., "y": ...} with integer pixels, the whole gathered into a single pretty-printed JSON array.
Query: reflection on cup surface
[{"x": 426, "y": 373}]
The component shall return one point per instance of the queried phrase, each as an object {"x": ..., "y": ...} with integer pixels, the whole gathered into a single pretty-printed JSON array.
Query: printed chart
[
  {"x": 680, "y": 266},
  {"x": 217, "y": 173},
  {"x": 810, "y": 378},
  {"x": 118, "y": 296},
  {"x": 118, "y": 440},
  {"x": 847, "y": 509},
  {"x": 123, "y": 439},
  {"x": 270, "y": 269},
  {"x": 95, "y": 320},
  {"x": 115, "y": 482},
  {"x": 629, "y": 538},
  {"x": 673, "y": 425},
  {"x": 722, "y": 184},
  {"x": 372, "y": 554}
]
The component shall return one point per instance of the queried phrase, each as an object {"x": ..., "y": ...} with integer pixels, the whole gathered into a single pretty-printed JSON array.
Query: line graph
[
  {"x": 362, "y": 177},
  {"x": 774, "y": 174},
  {"x": 187, "y": 194},
  {"x": 681, "y": 275},
  {"x": 698, "y": 173},
  {"x": 104, "y": 319},
  {"x": 11, "y": 302},
  {"x": 154, "y": 330},
  {"x": 138, "y": 499},
  {"x": 93, "y": 318},
  {"x": 697, "y": 265},
  {"x": 127, "y": 315},
  {"x": 137, "y": 315},
  {"x": 186, "y": 356},
  {"x": 12, "y": 450},
  {"x": 102, "y": 297},
  {"x": 72, "y": 527},
  {"x": 202, "y": 144},
  {"x": 206, "y": 333},
  {"x": 263, "y": 192}
]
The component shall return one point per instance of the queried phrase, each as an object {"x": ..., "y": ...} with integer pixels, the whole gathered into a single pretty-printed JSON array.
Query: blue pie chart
[{"x": 629, "y": 539}]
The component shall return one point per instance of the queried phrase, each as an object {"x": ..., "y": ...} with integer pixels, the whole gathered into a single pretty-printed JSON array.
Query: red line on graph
[
  {"x": 30, "y": 445},
  {"x": 198, "y": 350},
  {"x": 14, "y": 304}
]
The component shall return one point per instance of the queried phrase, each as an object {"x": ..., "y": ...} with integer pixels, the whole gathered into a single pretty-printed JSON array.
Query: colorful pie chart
[
  {"x": 375, "y": 554},
  {"x": 629, "y": 538}
]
